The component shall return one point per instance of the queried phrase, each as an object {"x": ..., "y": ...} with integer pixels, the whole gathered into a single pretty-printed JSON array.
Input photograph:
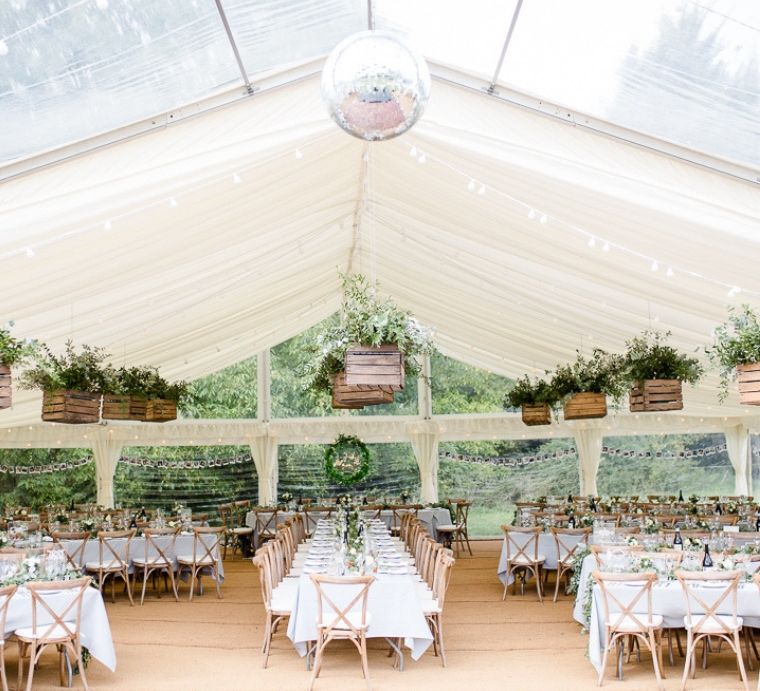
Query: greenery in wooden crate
[
  {"x": 146, "y": 382},
  {"x": 72, "y": 371},
  {"x": 737, "y": 342},
  {"x": 649, "y": 357},
  {"x": 14, "y": 350},
  {"x": 601, "y": 373},
  {"x": 365, "y": 320},
  {"x": 528, "y": 392}
]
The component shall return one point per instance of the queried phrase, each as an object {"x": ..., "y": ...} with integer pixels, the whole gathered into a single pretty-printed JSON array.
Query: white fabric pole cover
[
  {"x": 588, "y": 442},
  {"x": 425, "y": 447},
  {"x": 264, "y": 450},
  {"x": 737, "y": 445},
  {"x": 107, "y": 453}
]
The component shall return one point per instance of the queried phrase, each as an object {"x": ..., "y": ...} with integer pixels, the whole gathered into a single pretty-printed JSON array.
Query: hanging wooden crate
[
  {"x": 655, "y": 395},
  {"x": 748, "y": 378},
  {"x": 586, "y": 405},
  {"x": 358, "y": 396},
  {"x": 375, "y": 366},
  {"x": 5, "y": 386},
  {"x": 160, "y": 410},
  {"x": 117, "y": 407},
  {"x": 71, "y": 407},
  {"x": 539, "y": 414}
]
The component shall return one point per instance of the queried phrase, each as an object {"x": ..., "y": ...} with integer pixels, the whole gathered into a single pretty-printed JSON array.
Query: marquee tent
[{"x": 520, "y": 231}]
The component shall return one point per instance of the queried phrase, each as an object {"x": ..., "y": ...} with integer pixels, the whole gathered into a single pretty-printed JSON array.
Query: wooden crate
[
  {"x": 160, "y": 410},
  {"x": 536, "y": 415},
  {"x": 116, "y": 407},
  {"x": 375, "y": 366},
  {"x": 748, "y": 378},
  {"x": 356, "y": 397},
  {"x": 656, "y": 395},
  {"x": 71, "y": 407},
  {"x": 586, "y": 405},
  {"x": 5, "y": 386}
]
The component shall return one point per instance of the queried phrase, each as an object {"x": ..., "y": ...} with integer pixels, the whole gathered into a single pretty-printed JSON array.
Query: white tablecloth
[
  {"x": 546, "y": 548},
  {"x": 95, "y": 631},
  {"x": 183, "y": 546}
]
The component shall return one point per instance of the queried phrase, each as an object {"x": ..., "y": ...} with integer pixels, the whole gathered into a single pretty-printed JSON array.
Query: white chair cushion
[
  {"x": 430, "y": 606},
  {"x": 446, "y": 527},
  {"x": 284, "y": 596},
  {"x": 242, "y": 531},
  {"x": 103, "y": 566},
  {"x": 522, "y": 559},
  {"x": 629, "y": 624},
  {"x": 150, "y": 561},
  {"x": 712, "y": 626},
  {"x": 188, "y": 559},
  {"x": 354, "y": 617},
  {"x": 58, "y": 631}
]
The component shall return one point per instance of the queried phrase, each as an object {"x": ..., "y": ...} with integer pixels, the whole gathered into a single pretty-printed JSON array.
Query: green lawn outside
[{"x": 485, "y": 521}]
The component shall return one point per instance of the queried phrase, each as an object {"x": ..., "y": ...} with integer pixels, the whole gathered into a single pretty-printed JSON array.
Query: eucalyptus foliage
[
  {"x": 601, "y": 373},
  {"x": 737, "y": 342},
  {"x": 75, "y": 371},
  {"x": 14, "y": 350},
  {"x": 365, "y": 319},
  {"x": 649, "y": 357},
  {"x": 528, "y": 392}
]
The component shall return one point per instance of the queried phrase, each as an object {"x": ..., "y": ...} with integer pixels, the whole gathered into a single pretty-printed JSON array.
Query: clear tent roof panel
[{"x": 686, "y": 71}]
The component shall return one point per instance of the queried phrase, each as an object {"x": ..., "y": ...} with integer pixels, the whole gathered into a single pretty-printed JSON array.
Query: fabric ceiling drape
[
  {"x": 737, "y": 445},
  {"x": 588, "y": 442},
  {"x": 264, "y": 450},
  {"x": 107, "y": 453}
]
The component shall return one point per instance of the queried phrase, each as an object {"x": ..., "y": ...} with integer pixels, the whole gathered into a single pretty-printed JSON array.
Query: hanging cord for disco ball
[{"x": 375, "y": 86}]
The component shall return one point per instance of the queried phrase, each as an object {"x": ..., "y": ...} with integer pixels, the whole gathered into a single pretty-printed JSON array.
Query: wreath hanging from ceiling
[{"x": 347, "y": 460}]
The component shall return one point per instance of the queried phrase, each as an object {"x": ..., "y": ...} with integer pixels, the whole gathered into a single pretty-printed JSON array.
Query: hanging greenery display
[{"x": 347, "y": 460}]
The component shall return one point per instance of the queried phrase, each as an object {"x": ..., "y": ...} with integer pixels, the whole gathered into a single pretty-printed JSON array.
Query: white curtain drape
[
  {"x": 425, "y": 447},
  {"x": 737, "y": 445},
  {"x": 588, "y": 442},
  {"x": 264, "y": 450},
  {"x": 107, "y": 453}
]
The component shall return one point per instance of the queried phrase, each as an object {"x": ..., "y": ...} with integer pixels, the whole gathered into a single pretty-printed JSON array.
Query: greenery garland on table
[{"x": 347, "y": 460}]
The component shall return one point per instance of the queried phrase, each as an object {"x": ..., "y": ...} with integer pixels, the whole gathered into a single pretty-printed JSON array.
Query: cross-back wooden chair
[
  {"x": 266, "y": 523},
  {"x": 313, "y": 513},
  {"x": 444, "y": 562},
  {"x": 113, "y": 560},
  {"x": 568, "y": 542},
  {"x": 336, "y": 621},
  {"x": 157, "y": 558},
  {"x": 601, "y": 552},
  {"x": 299, "y": 529},
  {"x": 397, "y": 516},
  {"x": 5, "y": 600},
  {"x": 522, "y": 556},
  {"x": 623, "y": 597},
  {"x": 74, "y": 545},
  {"x": 375, "y": 511},
  {"x": 405, "y": 520},
  {"x": 708, "y": 593},
  {"x": 205, "y": 556},
  {"x": 285, "y": 536},
  {"x": 56, "y": 619}
]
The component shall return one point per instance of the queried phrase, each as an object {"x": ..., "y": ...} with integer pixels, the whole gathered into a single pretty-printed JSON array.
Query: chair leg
[
  {"x": 144, "y": 585},
  {"x": 688, "y": 661},
  {"x": 3, "y": 678},
  {"x": 317, "y": 662},
  {"x": 439, "y": 620},
  {"x": 556, "y": 586},
  {"x": 655, "y": 661},
  {"x": 125, "y": 576},
  {"x": 740, "y": 660},
  {"x": 365, "y": 662},
  {"x": 76, "y": 648},
  {"x": 32, "y": 662},
  {"x": 745, "y": 636}
]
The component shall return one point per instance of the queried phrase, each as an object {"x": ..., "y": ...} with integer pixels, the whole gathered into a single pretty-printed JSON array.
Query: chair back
[
  {"x": 313, "y": 514},
  {"x": 606, "y": 555},
  {"x": 462, "y": 512},
  {"x": 429, "y": 575},
  {"x": 6, "y": 594},
  {"x": 399, "y": 511},
  {"x": 57, "y": 608},
  {"x": 569, "y": 541},
  {"x": 159, "y": 544},
  {"x": 708, "y": 595},
  {"x": 285, "y": 537},
  {"x": 332, "y": 611},
  {"x": 522, "y": 543},
  {"x": 266, "y": 522},
  {"x": 622, "y": 595},
  {"x": 262, "y": 561},
  {"x": 442, "y": 577},
  {"x": 74, "y": 544},
  {"x": 206, "y": 541},
  {"x": 113, "y": 547}
]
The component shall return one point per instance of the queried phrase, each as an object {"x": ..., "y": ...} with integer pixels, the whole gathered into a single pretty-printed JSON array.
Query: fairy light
[
  {"x": 29, "y": 252},
  {"x": 413, "y": 152},
  {"x": 299, "y": 154},
  {"x": 173, "y": 202},
  {"x": 471, "y": 185},
  {"x": 107, "y": 225},
  {"x": 669, "y": 272},
  {"x": 655, "y": 266},
  {"x": 591, "y": 241},
  {"x": 482, "y": 190},
  {"x": 236, "y": 179},
  {"x": 544, "y": 218},
  {"x": 532, "y": 214},
  {"x": 606, "y": 247},
  {"x": 422, "y": 158}
]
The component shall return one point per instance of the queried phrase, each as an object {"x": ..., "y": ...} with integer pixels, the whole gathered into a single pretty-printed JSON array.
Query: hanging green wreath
[{"x": 347, "y": 461}]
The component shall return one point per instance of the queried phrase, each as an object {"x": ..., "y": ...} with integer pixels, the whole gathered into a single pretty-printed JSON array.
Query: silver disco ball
[{"x": 375, "y": 86}]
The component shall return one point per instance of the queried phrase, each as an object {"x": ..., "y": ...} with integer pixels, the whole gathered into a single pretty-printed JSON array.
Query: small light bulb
[
  {"x": 413, "y": 151},
  {"x": 532, "y": 214},
  {"x": 471, "y": 185},
  {"x": 482, "y": 190},
  {"x": 102, "y": 4},
  {"x": 299, "y": 154},
  {"x": 3, "y": 48},
  {"x": 591, "y": 241},
  {"x": 422, "y": 158},
  {"x": 29, "y": 252},
  {"x": 606, "y": 247},
  {"x": 237, "y": 179},
  {"x": 655, "y": 266},
  {"x": 669, "y": 272},
  {"x": 543, "y": 218},
  {"x": 107, "y": 225},
  {"x": 173, "y": 202}
]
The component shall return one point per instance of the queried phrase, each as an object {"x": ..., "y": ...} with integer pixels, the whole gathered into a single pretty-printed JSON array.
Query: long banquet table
[
  {"x": 394, "y": 605},
  {"x": 95, "y": 629}
]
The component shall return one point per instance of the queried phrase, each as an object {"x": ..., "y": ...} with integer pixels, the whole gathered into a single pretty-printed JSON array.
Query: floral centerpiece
[
  {"x": 365, "y": 320},
  {"x": 736, "y": 352}
]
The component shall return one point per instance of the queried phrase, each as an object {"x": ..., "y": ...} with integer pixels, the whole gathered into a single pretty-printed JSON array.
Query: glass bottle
[{"x": 707, "y": 561}]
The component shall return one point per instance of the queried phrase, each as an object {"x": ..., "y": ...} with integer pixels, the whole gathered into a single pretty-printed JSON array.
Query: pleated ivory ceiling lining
[{"x": 240, "y": 266}]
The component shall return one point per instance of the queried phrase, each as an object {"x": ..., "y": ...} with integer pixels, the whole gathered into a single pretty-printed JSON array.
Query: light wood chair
[
  {"x": 5, "y": 600},
  {"x": 157, "y": 558},
  {"x": 113, "y": 560},
  {"x": 336, "y": 621},
  {"x": 523, "y": 557},
  {"x": 601, "y": 552},
  {"x": 205, "y": 556},
  {"x": 433, "y": 608},
  {"x": 706, "y": 593},
  {"x": 313, "y": 513},
  {"x": 74, "y": 545},
  {"x": 568, "y": 542},
  {"x": 56, "y": 619},
  {"x": 397, "y": 516},
  {"x": 621, "y": 595}
]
